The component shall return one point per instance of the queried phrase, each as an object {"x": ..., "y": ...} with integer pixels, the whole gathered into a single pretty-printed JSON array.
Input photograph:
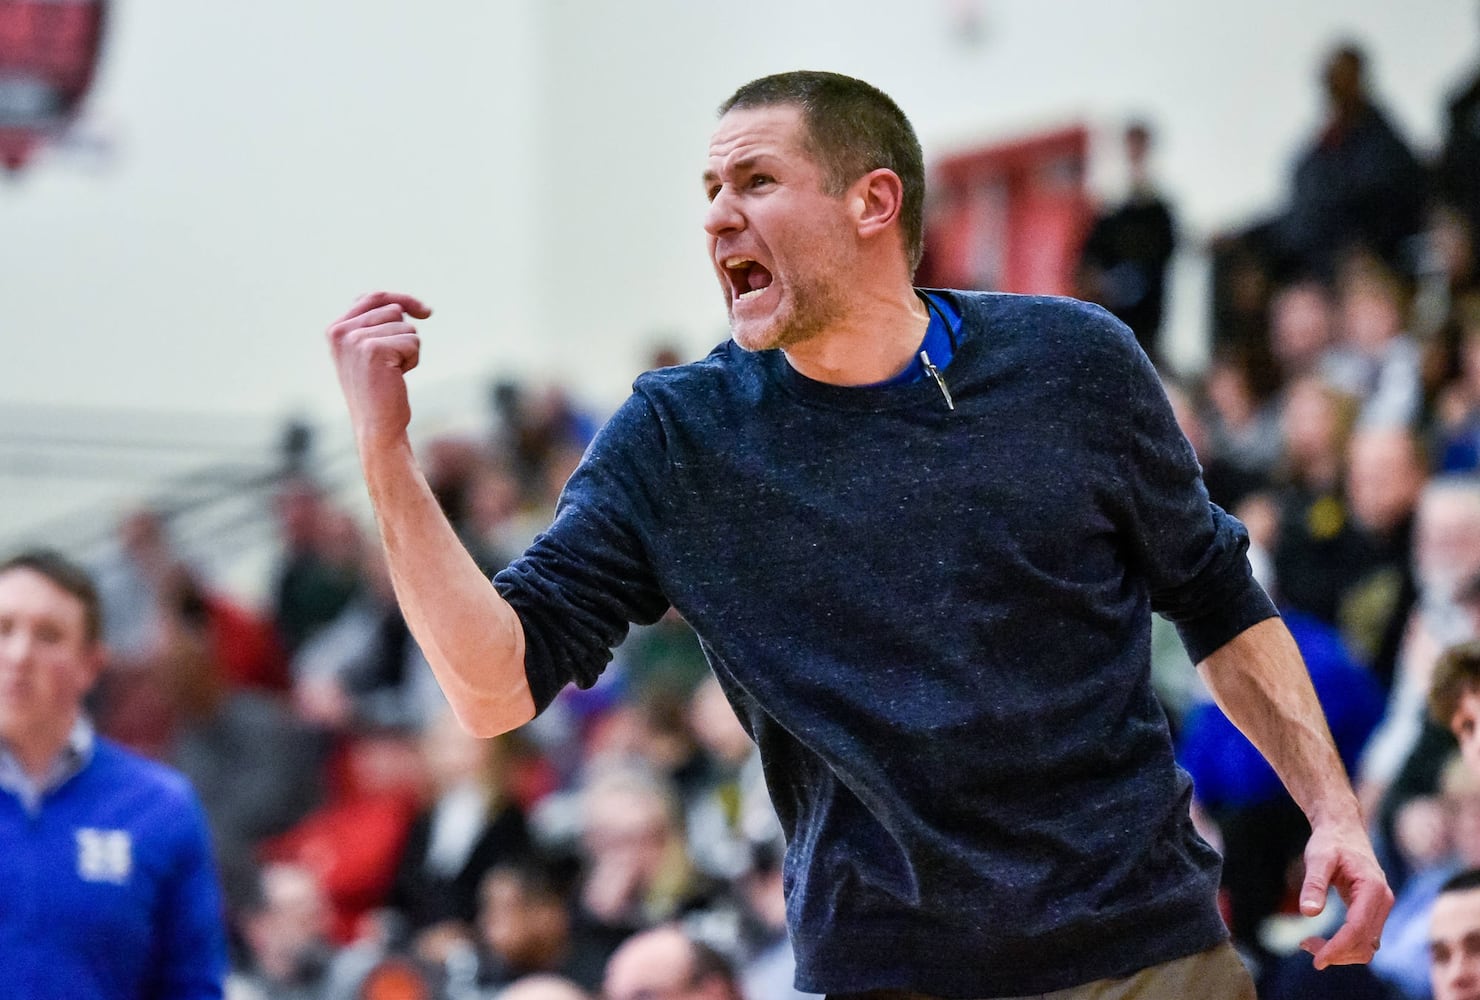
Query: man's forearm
[
  {"x": 469, "y": 634},
  {"x": 1260, "y": 682}
]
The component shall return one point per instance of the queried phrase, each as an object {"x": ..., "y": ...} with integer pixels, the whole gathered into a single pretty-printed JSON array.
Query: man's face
[
  {"x": 1466, "y": 728},
  {"x": 47, "y": 662},
  {"x": 781, "y": 246},
  {"x": 1454, "y": 943}
]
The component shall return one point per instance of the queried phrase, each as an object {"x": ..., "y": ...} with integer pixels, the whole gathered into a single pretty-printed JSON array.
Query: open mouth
[{"x": 747, "y": 278}]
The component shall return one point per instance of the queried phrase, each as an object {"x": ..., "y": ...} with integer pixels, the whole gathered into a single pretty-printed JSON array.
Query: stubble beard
[{"x": 806, "y": 312}]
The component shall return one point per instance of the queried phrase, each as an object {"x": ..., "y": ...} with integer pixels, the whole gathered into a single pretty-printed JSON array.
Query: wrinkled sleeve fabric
[
  {"x": 1191, "y": 552},
  {"x": 583, "y": 581}
]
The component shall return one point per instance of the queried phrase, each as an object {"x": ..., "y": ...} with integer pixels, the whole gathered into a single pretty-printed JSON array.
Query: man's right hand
[{"x": 374, "y": 347}]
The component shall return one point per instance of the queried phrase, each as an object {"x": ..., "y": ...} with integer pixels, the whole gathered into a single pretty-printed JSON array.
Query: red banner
[{"x": 48, "y": 55}]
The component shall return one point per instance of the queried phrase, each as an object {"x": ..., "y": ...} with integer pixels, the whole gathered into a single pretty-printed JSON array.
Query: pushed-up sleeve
[
  {"x": 585, "y": 579},
  {"x": 1192, "y": 553}
]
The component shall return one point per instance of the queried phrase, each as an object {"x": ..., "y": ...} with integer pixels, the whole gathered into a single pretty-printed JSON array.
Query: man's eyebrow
[{"x": 739, "y": 166}]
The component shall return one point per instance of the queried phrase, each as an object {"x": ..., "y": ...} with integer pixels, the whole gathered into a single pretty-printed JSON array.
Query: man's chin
[{"x": 755, "y": 336}]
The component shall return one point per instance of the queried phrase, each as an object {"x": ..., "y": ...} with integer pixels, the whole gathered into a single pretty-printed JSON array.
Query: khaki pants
[{"x": 1216, "y": 974}]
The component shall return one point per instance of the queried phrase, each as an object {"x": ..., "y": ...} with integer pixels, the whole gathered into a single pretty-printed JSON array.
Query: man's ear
[{"x": 877, "y": 199}]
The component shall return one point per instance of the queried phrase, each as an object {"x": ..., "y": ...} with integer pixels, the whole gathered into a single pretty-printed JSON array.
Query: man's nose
[
  {"x": 16, "y": 647},
  {"x": 723, "y": 215}
]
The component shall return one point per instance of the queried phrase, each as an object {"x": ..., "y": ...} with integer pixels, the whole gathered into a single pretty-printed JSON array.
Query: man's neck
[
  {"x": 874, "y": 342},
  {"x": 37, "y": 753}
]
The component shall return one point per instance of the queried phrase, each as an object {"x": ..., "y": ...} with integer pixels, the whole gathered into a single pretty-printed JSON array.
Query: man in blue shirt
[
  {"x": 110, "y": 891},
  {"x": 920, "y": 535}
]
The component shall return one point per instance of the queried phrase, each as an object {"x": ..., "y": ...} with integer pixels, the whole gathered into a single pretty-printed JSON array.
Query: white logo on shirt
[{"x": 104, "y": 855}]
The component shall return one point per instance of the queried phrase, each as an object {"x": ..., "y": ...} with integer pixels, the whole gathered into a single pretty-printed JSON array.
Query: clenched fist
[{"x": 374, "y": 347}]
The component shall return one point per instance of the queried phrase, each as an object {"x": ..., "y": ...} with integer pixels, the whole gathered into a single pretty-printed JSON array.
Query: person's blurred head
[
  {"x": 1454, "y": 939},
  {"x": 1454, "y": 698},
  {"x": 1386, "y": 472},
  {"x": 542, "y": 987},
  {"x": 1447, "y": 536},
  {"x": 299, "y": 505},
  {"x": 1315, "y": 422},
  {"x": 1453, "y": 243},
  {"x": 1371, "y": 305},
  {"x": 1302, "y": 323},
  {"x": 1138, "y": 138},
  {"x": 716, "y": 727},
  {"x": 454, "y": 757},
  {"x": 493, "y": 498},
  {"x": 1344, "y": 76},
  {"x": 286, "y": 923},
  {"x": 666, "y": 964},
  {"x": 631, "y": 817},
  {"x": 50, "y": 651},
  {"x": 523, "y": 915}
]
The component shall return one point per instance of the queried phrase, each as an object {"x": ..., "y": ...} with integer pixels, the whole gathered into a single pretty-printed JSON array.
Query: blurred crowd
[{"x": 370, "y": 848}]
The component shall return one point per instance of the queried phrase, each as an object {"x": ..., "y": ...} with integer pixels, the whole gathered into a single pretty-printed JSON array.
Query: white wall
[
  {"x": 272, "y": 160},
  {"x": 530, "y": 166}
]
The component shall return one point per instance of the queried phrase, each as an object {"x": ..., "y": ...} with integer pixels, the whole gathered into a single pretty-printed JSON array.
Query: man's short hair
[
  {"x": 67, "y": 575},
  {"x": 852, "y": 128},
  {"x": 1456, "y": 672}
]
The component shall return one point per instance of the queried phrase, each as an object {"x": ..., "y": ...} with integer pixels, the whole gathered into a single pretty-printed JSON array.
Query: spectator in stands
[
  {"x": 1356, "y": 185},
  {"x": 665, "y": 962},
  {"x": 526, "y": 926},
  {"x": 715, "y": 803},
  {"x": 285, "y": 929},
  {"x": 1403, "y": 759},
  {"x": 638, "y": 871},
  {"x": 1302, "y": 328},
  {"x": 364, "y": 668},
  {"x": 353, "y": 842},
  {"x": 1439, "y": 836},
  {"x": 110, "y": 890},
  {"x": 470, "y": 826},
  {"x": 1386, "y": 473},
  {"x": 133, "y": 585},
  {"x": 1319, "y": 550},
  {"x": 320, "y": 570},
  {"x": 214, "y": 735},
  {"x": 1125, "y": 259},
  {"x": 1244, "y": 423},
  {"x": 1455, "y": 939},
  {"x": 1228, "y": 484},
  {"x": 1377, "y": 361}
]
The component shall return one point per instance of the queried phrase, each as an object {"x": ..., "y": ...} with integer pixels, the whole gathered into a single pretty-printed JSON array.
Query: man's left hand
[{"x": 1340, "y": 856}]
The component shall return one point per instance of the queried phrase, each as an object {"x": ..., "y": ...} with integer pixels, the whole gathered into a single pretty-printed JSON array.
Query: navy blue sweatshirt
[{"x": 936, "y": 625}]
